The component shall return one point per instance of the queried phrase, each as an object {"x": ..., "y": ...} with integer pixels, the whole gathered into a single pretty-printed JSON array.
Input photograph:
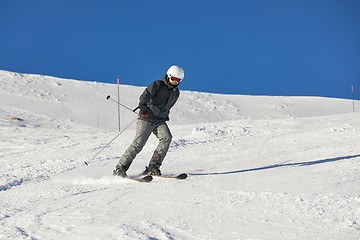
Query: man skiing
[{"x": 155, "y": 104}]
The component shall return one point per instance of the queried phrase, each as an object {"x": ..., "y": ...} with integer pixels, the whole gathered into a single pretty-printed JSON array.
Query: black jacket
[{"x": 159, "y": 97}]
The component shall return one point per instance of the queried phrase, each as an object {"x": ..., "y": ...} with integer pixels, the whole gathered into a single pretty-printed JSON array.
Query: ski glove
[{"x": 144, "y": 109}]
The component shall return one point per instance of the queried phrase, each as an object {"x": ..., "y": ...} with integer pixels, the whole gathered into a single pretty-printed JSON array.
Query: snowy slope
[{"x": 260, "y": 167}]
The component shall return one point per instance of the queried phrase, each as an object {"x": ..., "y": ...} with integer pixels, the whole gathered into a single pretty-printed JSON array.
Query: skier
[{"x": 155, "y": 104}]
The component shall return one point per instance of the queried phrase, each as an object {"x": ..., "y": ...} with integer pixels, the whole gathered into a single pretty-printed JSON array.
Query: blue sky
[{"x": 252, "y": 47}]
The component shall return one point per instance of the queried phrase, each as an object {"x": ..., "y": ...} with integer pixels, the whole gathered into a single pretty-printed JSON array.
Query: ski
[
  {"x": 147, "y": 178},
  {"x": 181, "y": 176}
]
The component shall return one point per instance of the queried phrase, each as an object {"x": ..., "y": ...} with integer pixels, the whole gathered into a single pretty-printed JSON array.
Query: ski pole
[
  {"x": 87, "y": 162},
  {"x": 133, "y": 110},
  {"x": 118, "y": 107}
]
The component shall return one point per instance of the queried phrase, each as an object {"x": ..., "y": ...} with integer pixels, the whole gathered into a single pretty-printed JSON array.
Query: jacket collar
[{"x": 166, "y": 81}]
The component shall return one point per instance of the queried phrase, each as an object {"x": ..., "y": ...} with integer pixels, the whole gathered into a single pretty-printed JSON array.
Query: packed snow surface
[{"x": 259, "y": 167}]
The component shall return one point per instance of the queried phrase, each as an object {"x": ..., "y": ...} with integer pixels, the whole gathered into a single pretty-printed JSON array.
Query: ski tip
[{"x": 182, "y": 176}]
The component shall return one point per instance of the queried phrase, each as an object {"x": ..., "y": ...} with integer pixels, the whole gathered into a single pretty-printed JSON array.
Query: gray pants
[{"x": 143, "y": 132}]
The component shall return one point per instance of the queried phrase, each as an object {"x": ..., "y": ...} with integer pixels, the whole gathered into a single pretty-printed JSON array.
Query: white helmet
[{"x": 175, "y": 71}]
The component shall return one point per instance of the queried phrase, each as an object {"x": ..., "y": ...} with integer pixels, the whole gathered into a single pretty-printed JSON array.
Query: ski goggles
[{"x": 175, "y": 79}]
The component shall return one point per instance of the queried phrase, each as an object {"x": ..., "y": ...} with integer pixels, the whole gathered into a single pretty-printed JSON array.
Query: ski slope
[{"x": 259, "y": 167}]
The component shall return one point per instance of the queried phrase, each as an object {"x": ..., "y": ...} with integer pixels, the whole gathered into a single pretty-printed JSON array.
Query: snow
[{"x": 260, "y": 167}]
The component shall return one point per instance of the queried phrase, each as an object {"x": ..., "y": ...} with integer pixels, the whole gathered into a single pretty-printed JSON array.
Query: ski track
[
  {"x": 289, "y": 171},
  {"x": 280, "y": 213}
]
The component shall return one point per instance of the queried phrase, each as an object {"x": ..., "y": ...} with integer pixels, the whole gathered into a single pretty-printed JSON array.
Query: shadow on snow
[{"x": 298, "y": 164}]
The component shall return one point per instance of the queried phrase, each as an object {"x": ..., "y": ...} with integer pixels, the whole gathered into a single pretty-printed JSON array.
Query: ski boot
[
  {"x": 152, "y": 170},
  {"x": 120, "y": 171}
]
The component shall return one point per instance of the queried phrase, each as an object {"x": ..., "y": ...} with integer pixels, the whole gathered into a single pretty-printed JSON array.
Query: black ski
[
  {"x": 147, "y": 178},
  {"x": 181, "y": 176}
]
